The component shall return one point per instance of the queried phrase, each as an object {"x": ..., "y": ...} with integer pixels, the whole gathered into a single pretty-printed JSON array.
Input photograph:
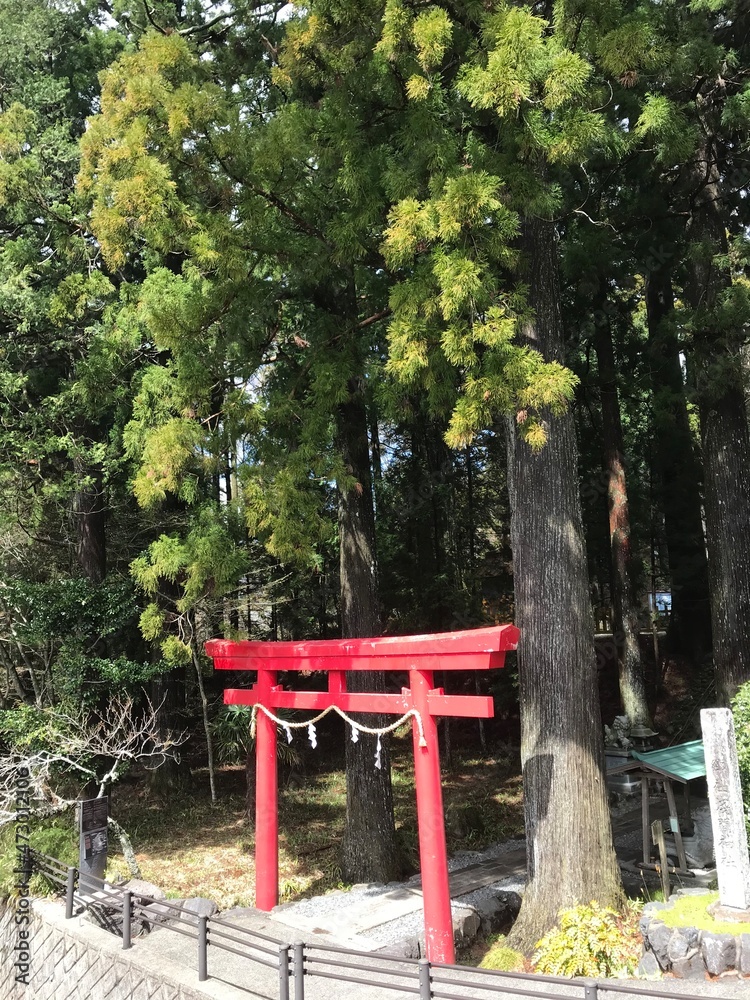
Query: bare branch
[
  {"x": 152, "y": 22},
  {"x": 185, "y": 32},
  {"x": 383, "y": 314},
  {"x": 120, "y": 735}
]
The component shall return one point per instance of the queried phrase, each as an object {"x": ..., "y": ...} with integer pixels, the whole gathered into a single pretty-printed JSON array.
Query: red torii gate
[{"x": 419, "y": 656}]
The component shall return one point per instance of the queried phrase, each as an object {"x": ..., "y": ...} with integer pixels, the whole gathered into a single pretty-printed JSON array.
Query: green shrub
[
  {"x": 232, "y": 741},
  {"x": 55, "y": 837},
  {"x": 591, "y": 940},
  {"x": 231, "y": 733},
  {"x": 501, "y": 958},
  {"x": 29, "y": 729},
  {"x": 741, "y": 712}
]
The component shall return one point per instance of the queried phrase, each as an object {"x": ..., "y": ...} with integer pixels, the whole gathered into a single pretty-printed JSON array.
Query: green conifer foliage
[
  {"x": 274, "y": 258},
  {"x": 59, "y": 456},
  {"x": 52, "y": 292},
  {"x": 477, "y": 295}
]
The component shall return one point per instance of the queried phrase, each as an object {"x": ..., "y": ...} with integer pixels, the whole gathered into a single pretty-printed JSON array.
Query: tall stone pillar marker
[{"x": 727, "y": 812}]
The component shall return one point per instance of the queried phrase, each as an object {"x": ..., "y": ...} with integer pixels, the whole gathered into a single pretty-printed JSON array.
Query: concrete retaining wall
[{"x": 75, "y": 961}]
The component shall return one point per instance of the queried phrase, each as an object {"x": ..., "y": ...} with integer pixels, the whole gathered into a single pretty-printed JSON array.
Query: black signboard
[{"x": 92, "y": 859}]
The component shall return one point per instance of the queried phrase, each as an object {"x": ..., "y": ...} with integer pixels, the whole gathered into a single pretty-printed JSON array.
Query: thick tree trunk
[
  {"x": 725, "y": 436},
  {"x": 724, "y": 432},
  {"x": 369, "y": 851},
  {"x": 89, "y": 514},
  {"x": 168, "y": 698},
  {"x": 679, "y": 474},
  {"x": 570, "y": 855},
  {"x": 432, "y": 526},
  {"x": 625, "y": 622}
]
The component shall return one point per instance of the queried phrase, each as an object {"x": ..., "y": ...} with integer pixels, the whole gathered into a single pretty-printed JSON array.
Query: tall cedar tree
[
  {"x": 271, "y": 298},
  {"x": 525, "y": 116},
  {"x": 54, "y": 449},
  {"x": 561, "y": 750},
  {"x": 697, "y": 116},
  {"x": 624, "y": 617}
]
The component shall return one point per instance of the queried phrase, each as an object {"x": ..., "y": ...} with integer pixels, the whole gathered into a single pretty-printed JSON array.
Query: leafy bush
[
  {"x": 501, "y": 958},
  {"x": 591, "y": 940},
  {"x": 231, "y": 733},
  {"x": 71, "y": 609},
  {"x": 82, "y": 679},
  {"x": 55, "y": 837},
  {"x": 30, "y": 730},
  {"x": 741, "y": 712},
  {"x": 60, "y": 623}
]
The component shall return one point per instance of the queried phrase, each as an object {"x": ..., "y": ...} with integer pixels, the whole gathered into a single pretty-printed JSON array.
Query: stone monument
[{"x": 727, "y": 812}]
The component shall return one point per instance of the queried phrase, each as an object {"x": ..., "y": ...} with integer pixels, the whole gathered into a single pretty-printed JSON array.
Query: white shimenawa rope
[{"x": 356, "y": 727}]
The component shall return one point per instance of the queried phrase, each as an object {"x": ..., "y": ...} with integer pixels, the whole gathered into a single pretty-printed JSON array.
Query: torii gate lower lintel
[{"x": 420, "y": 656}]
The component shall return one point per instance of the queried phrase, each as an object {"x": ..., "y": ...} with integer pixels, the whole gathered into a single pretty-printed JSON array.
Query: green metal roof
[{"x": 683, "y": 762}]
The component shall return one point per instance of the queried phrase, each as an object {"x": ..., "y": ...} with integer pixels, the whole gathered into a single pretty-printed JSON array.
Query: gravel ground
[
  {"x": 628, "y": 844},
  {"x": 412, "y": 924}
]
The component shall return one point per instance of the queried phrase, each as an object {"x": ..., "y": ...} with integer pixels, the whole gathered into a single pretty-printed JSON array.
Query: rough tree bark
[
  {"x": 167, "y": 693},
  {"x": 369, "y": 852},
  {"x": 679, "y": 473},
  {"x": 89, "y": 514},
  {"x": 725, "y": 436},
  {"x": 625, "y": 622},
  {"x": 570, "y": 856},
  {"x": 428, "y": 521}
]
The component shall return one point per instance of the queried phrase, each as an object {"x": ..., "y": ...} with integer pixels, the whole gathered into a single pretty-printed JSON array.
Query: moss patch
[
  {"x": 691, "y": 911},
  {"x": 502, "y": 958}
]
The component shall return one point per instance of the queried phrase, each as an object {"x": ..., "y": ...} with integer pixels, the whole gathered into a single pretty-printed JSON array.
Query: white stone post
[{"x": 727, "y": 813}]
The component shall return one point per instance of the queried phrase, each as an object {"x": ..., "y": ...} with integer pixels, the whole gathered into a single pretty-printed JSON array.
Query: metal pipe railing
[
  {"x": 127, "y": 913},
  {"x": 298, "y": 961},
  {"x": 202, "y": 948}
]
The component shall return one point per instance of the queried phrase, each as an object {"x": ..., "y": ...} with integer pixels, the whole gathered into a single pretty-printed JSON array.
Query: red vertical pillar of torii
[{"x": 418, "y": 656}]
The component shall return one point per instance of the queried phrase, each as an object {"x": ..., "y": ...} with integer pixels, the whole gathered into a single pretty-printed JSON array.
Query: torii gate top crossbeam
[{"x": 477, "y": 649}]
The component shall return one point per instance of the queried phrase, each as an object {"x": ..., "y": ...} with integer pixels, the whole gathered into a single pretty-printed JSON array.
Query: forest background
[{"x": 328, "y": 319}]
